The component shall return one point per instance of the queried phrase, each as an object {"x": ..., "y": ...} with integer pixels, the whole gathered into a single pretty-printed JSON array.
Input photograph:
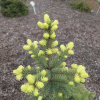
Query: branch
[{"x": 63, "y": 73}]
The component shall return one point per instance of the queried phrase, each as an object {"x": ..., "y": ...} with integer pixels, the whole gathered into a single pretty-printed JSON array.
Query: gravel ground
[{"x": 81, "y": 28}]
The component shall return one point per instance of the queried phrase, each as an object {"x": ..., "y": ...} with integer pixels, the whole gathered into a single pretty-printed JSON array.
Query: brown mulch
[{"x": 81, "y": 28}]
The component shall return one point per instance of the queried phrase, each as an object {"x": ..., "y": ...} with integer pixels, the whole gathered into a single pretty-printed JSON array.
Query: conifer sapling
[{"x": 52, "y": 80}]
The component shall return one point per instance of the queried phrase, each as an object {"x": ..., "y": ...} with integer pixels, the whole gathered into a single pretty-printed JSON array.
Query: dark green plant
[
  {"x": 13, "y": 8},
  {"x": 81, "y": 6},
  {"x": 98, "y": 1}
]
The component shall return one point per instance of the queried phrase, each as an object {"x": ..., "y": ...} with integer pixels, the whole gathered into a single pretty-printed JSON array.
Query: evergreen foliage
[
  {"x": 98, "y": 1},
  {"x": 13, "y": 8},
  {"x": 52, "y": 80},
  {"x": 81, "y": 6}
]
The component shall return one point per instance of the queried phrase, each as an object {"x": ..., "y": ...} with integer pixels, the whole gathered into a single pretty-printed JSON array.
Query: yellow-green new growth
[
  {"x": 65, "y": 68},
  {"x": 54, "y": 50},
  {"x": 84, "y": 75},
  {"x": 55, "y": 22},
  {"x": 18, "y": 70},
  {"x": 71, "y": 52},
  {"x": 40, "y": 98},
  {"x": 82, "y": 80},
  {"x": 45, "y": 25},
  {"x": 62, "y": 47},
  {"x": 49, "y": 51},
  {"x": 63, "y": 64},
  {"x": 74, "y": 66},
  {"x": 39, "y": 84},
  {"x": 30, "y": 88},
  {"x": 55, "y": 43},
  {"x": 30, "y": 78},
  {"x": 35, "y": 92},
  {"x": 35, "y": 43},
  {"x": 80, "y": 69},
  {"x": 40, "y": 25},
  {"x": 70, "y": 45},
  {"x": 29, "y": 42},
  {"x": 44, "y": 79},
  {"x": 53, "y": 35},
  {"x": 43, "y": 72},
  {"x": 54, "y": 28},
  {"x": 41, "y": 52},
  {"x": 77, "y": 78},
  {"x": 46, "y": 18},
  {"x": 29, "y": 67},
  {"x": 60, "y": 94},
  {"x": 26, "y": 47},
  {"x": 46, "y": 35},
  {"x": 27, "y": 88},
  {"x": 30, "y": 52},
  {"x": 71, "y": 83},
  {"x": 19, "y": 77},
  {"x": 65, "y": 56},
  {"x": 42, "y": 42},
  {"x": 47, "y": 59},
  {"x": 32, "y": 56}
]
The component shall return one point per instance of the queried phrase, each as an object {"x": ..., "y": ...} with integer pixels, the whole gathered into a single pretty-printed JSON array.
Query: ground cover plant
[
  {"x": 13, "y": 8},
  {"x": 81, "y": 5},
  {"x": 52, "y": 80}
]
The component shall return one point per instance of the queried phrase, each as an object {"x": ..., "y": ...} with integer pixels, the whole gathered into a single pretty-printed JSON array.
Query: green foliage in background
[
  {"x": 13, "y": 8},
  {"x": 98, "y": 1},
  {"x": 81, "y": 6}
]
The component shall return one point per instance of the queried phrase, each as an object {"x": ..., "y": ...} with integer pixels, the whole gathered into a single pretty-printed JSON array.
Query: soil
[{"x": 81, "y": 28}]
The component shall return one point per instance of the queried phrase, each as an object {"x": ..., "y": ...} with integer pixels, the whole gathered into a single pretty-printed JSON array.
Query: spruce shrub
[
  {"x": 98, "y": 1},
  {"x": 81, "y": 6},
  {"x": 13, "y": 8},
  {"x": 51, "y": 79}
]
